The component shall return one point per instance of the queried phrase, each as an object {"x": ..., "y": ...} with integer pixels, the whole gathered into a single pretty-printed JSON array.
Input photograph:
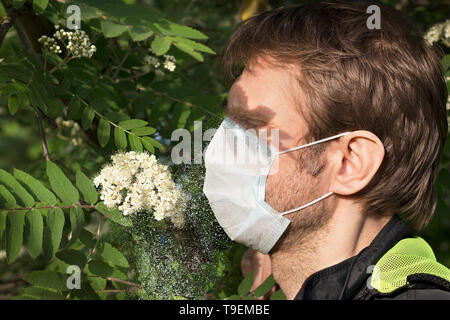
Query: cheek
[{"x": 283, "y": 184}]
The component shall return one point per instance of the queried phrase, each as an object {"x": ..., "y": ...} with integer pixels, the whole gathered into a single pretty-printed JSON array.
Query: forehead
[{"x": 264, "y": 83}]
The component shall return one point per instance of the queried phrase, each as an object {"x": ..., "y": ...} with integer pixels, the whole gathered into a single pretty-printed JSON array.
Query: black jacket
[{"x": 348, "y": 279}]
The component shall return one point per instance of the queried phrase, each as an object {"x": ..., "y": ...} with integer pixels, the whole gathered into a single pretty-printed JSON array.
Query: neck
[{"x": 303, "y": 253}]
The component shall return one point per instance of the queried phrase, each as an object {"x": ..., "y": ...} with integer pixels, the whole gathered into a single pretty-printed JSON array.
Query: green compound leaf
[
  {"x": 147, "y": 144},
  {"x": 87, "y": 118},
  {"x": 39, "y": 6},
  {"x": 13, "y": 104},
  {"x": 14, "y": 234},
  {"x": 132, "y": 124},
  {"x": 111, "y": 29},
  {"x": 43, "y": 294},
  {"x": 34, "y": 231},
  {"x": 87, "y": 188},
  {"x": 278, "y": 295},
  {"x": 112, "y": 255},
  {"x": 16, "y": 188},
  {"x": 53, "y": 232},
  {"x": 48, "y": 279},
  {"x": 76, "y": 216},
  {"x": 72, "y": 257},
  {"x": 74, "y": 109},
  {"x": 161, "y": 45},
  {"x": 144, "y": 131},
  {"x": 62, "y": 186},
  {"x": 120, "y": 139},
  {"x": 114, "y": 215},
  {"x": 246, "y": 284},
  {"x": 42, "y": 193},
  {"x": 135, "y": 142},
  {"x": 7, "y": 200},
  {"x": 100, "y": 268},
  {"x": 153, "y": 142},
  {"x": 103, "y": 132},
  {"x": 264, "y": 287}
]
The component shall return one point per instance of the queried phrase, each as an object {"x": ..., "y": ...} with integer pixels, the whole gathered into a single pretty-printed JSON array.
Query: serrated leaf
[
  {"x": 87, "y": 117},
  {"x": 14, "y": 234},
  {"x": 264, "y": 287},
  {"x": 47, "y": 279},
  {"x": 193, "y": 44},
  {"x": 114, "y": 215},
  {"x": 43, "y": 294},
  {"x": 189, "y": 50},
  {"x": 116, "y": 116},
  {"x": 74, "y": 109},
  {"x": 132, "y": 124},
  {"x": 62, "y": 186},
  {"x": 34, "y": 231},
  {"x": 120, "y": 138},
  {"x": 13, "y": 104},
  {"x": 103, "y": 132},
  {"x": 246, "y": 284},
  {"x": 8, "y": 199},
  {"x": 42, "y": 193},
  {"x": 112, "y": 255},
  {"x": 72, "y": 257},
  {"x": 76, "y": 216},
  {"x": 87, "y": 188},
  {"x": 139, "y": 34},
  {"x": 53, "y": 232},
  {"x": 161, "y": 45},
  {"x": 154, "y": 142},
  {"x": 100, "y": 268},
  {"x": 144, "y": 131},
  {"x": 86, "y": 292},
  {"x": 87, "y": 238},
  {"x": 135, "y": 142},
  {"x": 172, "y": 29},
  {"x": 111, "y": 29},
  {"x": 147, "y": 144},
  {"x": 278, "y": 295},
  {"x": 39, "y": 6},
  {"x": 16, "y": 188}
]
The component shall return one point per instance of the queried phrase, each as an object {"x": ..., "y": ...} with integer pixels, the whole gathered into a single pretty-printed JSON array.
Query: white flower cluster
[
  {"x": 169, "y": 62},
  {"x": 78, "y": 43},
  {"x": 50, "y": 44},
  {"x": 440, "y": 31},
  {"x": 136, "y": 181}
]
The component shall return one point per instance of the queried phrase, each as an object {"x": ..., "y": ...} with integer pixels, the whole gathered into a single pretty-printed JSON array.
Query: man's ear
[{"x": 354, "y": 160}]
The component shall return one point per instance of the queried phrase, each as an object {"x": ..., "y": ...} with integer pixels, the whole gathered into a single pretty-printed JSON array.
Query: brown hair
[{"x": 387, "y": 81}]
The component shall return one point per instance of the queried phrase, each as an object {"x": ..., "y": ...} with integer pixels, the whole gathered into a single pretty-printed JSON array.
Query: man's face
[{"x": 262, "y": 98}]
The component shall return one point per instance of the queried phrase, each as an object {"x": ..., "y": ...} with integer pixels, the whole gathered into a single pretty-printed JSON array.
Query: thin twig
[
  {"x": 97, "y": 236},
  {"x": 121, "y": 64},
  {"x": 59, "y": 65},
  {"x": 42, "y": 136},
  {"x": 77, "y": 205},
  {"x": 132, "y": 284}
]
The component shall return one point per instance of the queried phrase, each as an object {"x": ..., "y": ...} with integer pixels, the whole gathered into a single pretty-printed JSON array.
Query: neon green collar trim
[{"x": 408, "y": 256}]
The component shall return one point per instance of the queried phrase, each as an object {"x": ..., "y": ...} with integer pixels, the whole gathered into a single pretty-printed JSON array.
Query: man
[{"x": 372, "y": 104}]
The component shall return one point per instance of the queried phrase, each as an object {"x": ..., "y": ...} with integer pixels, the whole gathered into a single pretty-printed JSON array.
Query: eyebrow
[{"x": 243, "y": 113}]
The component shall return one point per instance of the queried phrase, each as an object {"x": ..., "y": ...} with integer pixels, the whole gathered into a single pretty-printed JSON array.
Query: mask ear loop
[
  {"x": 304, "y": 146},
  {"x": 308, "y": 204},
  {"x": 313, "y": 143}
]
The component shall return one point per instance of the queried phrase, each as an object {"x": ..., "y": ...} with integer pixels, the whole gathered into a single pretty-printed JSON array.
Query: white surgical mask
[{"x": 235, "y": 186}]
